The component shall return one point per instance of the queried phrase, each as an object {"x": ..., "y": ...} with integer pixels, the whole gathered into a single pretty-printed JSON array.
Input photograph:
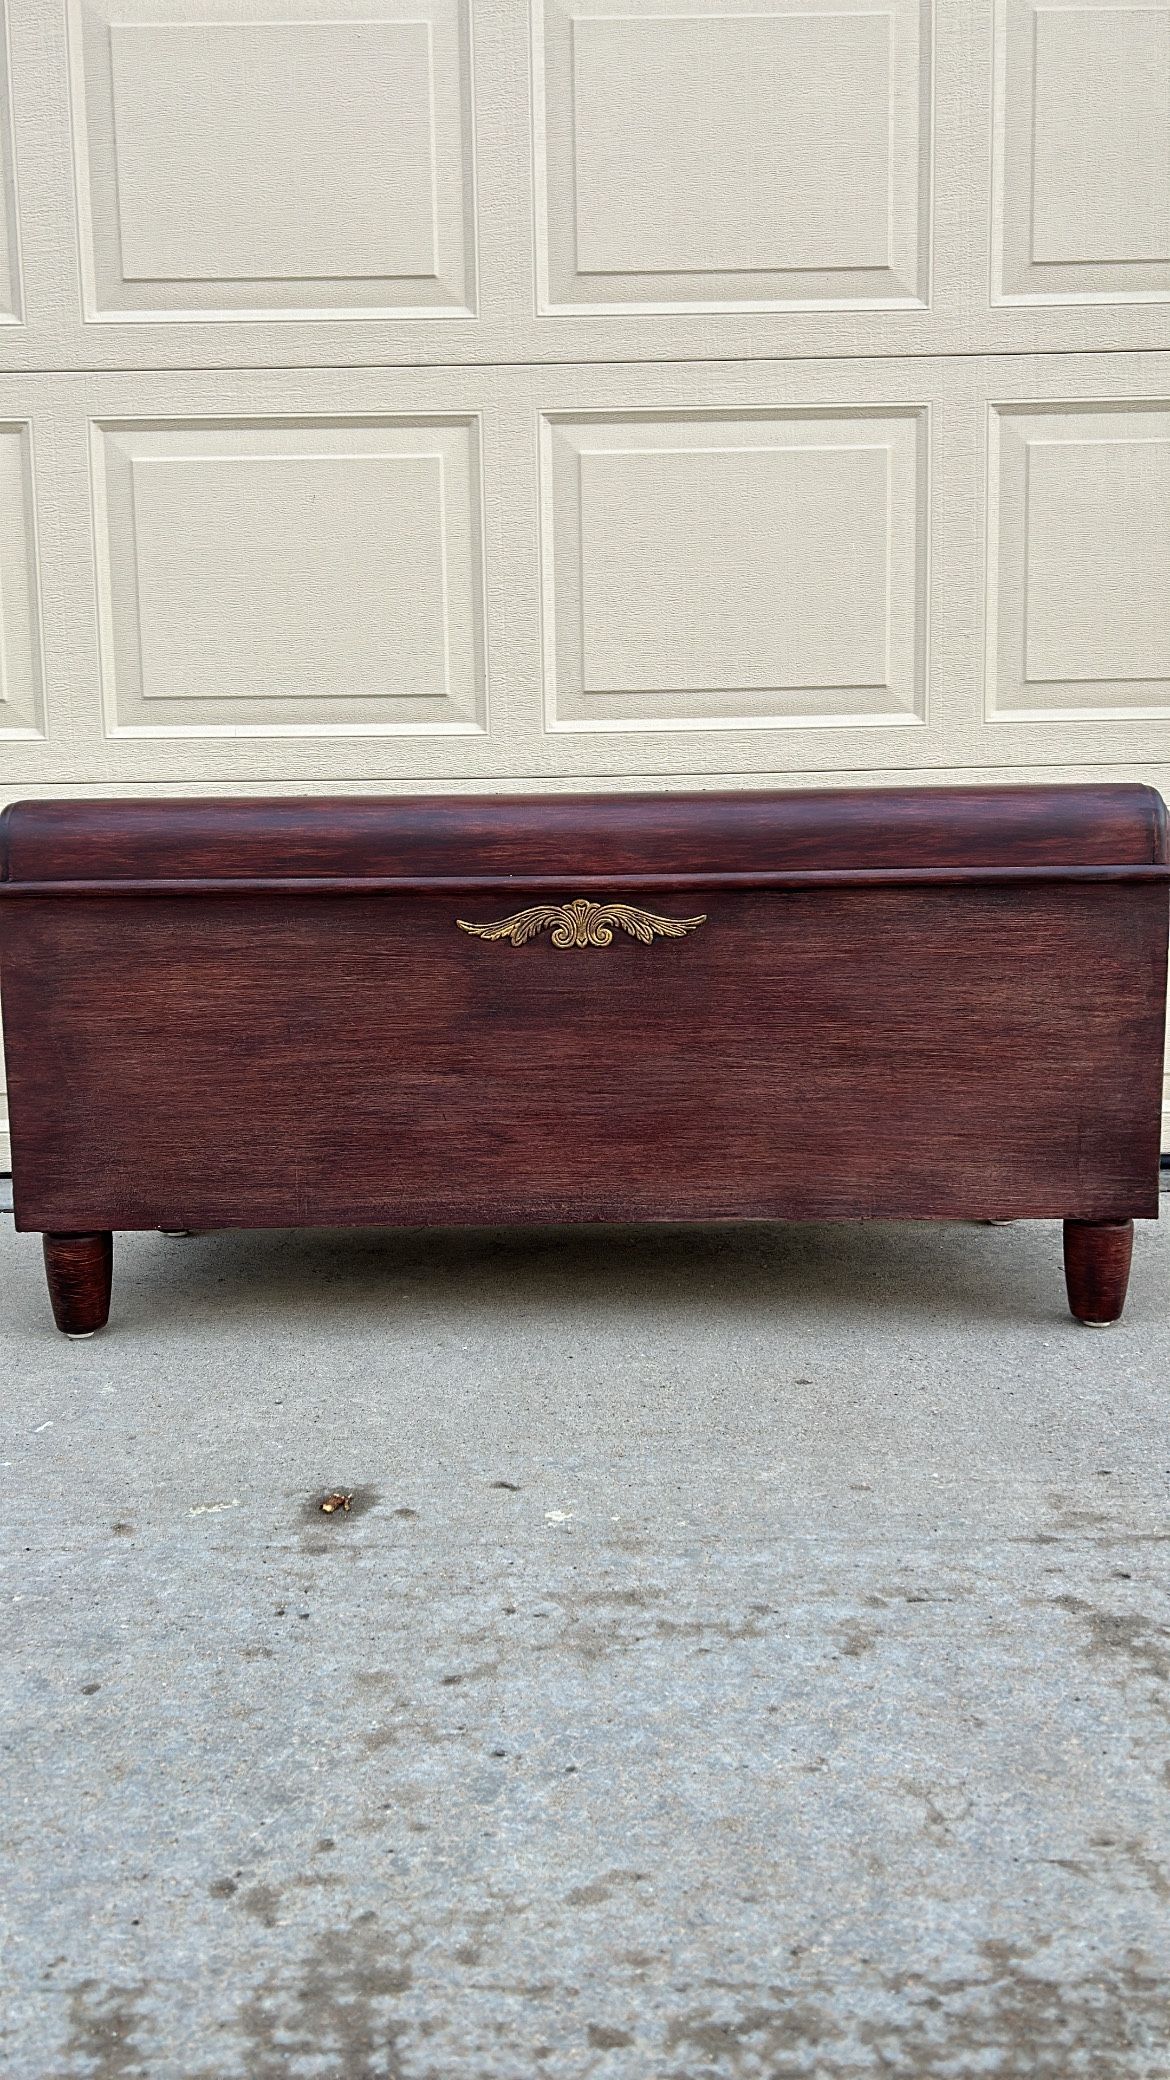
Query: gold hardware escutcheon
[{"x": 582, "y": 923}]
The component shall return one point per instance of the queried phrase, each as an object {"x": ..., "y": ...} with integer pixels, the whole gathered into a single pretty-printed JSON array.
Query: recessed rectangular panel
[
  {"x": 1101, "y": 180},
  {"x": 710, "y": 155},
  {"x": 291, "y": 576},
  {"x": 308, "y": 145},
  {"x": 1079, "y": 562},
  {"x": 277, "y": 156},
  {"x": 756, "y": 569},
  {"x": 1082, "y": 186},
  {"x": 1097, "y": 560},
  {"x": 694, "y": 561},
  {"x": 22, "y": 710},
  {"x": 310, "y": 577},
  {"x": 746, "y": 143}
]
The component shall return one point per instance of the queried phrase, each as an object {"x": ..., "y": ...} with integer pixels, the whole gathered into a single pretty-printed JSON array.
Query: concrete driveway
[{"x": 746, "y": 1657}]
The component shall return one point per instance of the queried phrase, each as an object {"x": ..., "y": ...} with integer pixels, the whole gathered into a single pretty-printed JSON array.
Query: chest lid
[{"x": 518, "y": 841}]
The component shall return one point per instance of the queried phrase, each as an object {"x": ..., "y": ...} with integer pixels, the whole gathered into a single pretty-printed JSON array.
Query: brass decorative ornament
[{"x": 582, "y": 923}]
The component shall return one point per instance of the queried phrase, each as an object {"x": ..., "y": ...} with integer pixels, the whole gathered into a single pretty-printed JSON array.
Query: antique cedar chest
[{"x": 937, "y": 1004}]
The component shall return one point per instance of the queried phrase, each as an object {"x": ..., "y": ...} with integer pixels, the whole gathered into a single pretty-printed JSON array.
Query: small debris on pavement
[{"x": 337, "y": 1500}]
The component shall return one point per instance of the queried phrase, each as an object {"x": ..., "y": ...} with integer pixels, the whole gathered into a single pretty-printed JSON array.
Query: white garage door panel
[
  {"x": 562, "y": 575},
  {"x": 287, "y": 206},
  {"x": 290, "y": 182},
  {"x": 292, "y": 159},
  {"x": 1079, "y": 619},
  {"x": 747, "y": 569},
  {"x": 1081, "y": 190},
  {"x": 276, "y": 577},
  {"x": 795, "y": 168}
]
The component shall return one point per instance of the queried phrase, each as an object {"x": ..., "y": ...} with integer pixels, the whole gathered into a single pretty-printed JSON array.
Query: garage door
[{"x": 616, "y": 393}]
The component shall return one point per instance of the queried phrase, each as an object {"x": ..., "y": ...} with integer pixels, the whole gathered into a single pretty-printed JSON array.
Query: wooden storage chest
[{"x": 929, "y": 1003}]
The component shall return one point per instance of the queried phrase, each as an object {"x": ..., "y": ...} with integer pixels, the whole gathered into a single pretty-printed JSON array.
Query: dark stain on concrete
[
  {"x": 321, "y": 1545},
  {"x": 729, "y": 1629},
  {"x": 1072, "y": 1517},
  {"x": 1132, "y": 1850},
  {"x": 603, "y": 2037},
  {"x": 262, "y": 1902},
  {"x": 332, "y": 2012},
  {"x": 599, "y": 1890},
  {"x": 1008, "y": 2020},
  {"x": 1128, "y": 1635},
  {"x": 597, "y": 1624},
  {"x": 855, "y": 1641},
  {"x": 943, "y": 1807},
  {"x": 223, "y": 1888},
  {"x": 122, "y": 1529},
  {"x": 470, "y": 1675},
  {"x": 1102, "y": 1535},
  {"x": 104, "y": 2024},
  {"x": 637, "y": 1598},
  {"x": 759, "y": 2038},
  {"x": 380, "y": 1737},
  {"x": 337, "y": 2011}
]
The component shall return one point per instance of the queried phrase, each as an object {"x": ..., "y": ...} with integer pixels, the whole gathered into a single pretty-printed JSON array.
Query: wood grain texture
[
  {"x": 245, "y": 1061},
  {"x": 1097, "y": 1257},
  {"x": 919, "y": 1050},
  {"x": 79, "y": 1270},
  {"x": 550, "y": 837}
]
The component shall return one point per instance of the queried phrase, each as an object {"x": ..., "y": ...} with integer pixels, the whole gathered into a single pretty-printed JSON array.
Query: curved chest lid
[{"x": 709, "y": 839}]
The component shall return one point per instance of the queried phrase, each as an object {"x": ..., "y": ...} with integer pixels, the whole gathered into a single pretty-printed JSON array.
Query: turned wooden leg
[
  {"x": 1096, "y": 1269},
  {"x": 79, "y": 1269}
]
